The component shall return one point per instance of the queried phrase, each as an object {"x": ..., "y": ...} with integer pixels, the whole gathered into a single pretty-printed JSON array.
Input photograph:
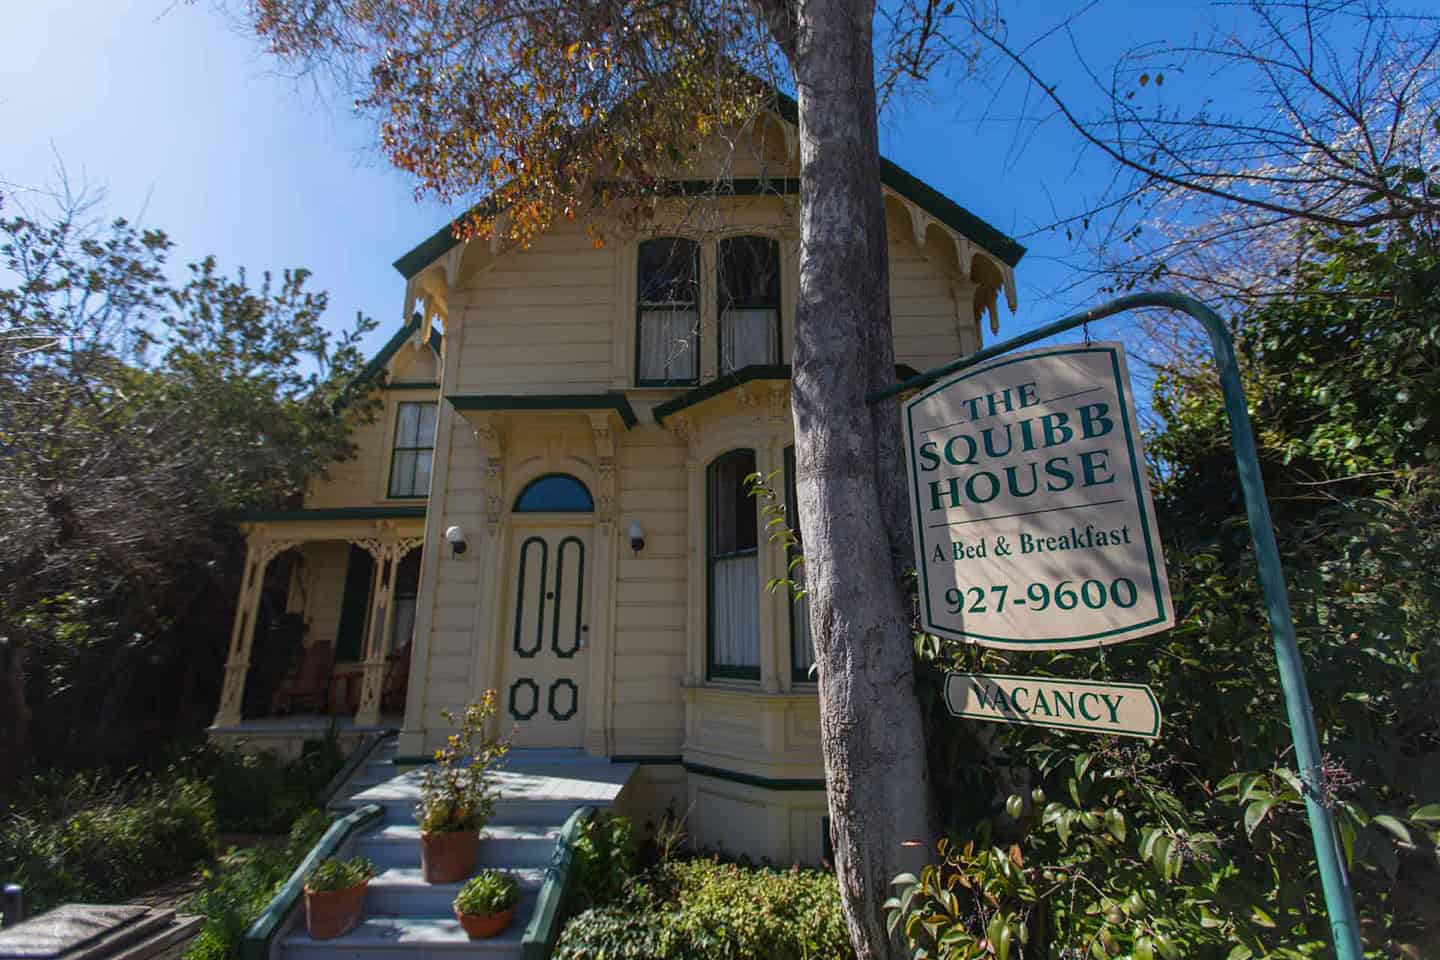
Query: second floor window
[
  {"x": 414, "y": 449},
  {"x": 749, "y": 288},
  {"x": 667, "y": 336}
]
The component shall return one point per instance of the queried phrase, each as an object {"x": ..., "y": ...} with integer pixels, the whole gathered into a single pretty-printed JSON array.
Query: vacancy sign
[
  {"x": 1122, "y": 709},
  {"x": 1034, "y": 528}
]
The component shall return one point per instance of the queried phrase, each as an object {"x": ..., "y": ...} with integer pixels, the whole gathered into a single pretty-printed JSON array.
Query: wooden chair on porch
[
  {"x": 397, "y": 678},
  {"x": 308, "y": 685}
]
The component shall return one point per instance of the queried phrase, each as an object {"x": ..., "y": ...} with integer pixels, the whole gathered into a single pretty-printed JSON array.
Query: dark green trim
[
  {"x": 392, "y": 346},
  {"x": 414, "y": 760},
  {"x": 906, "y": 184},
  {"x": 327, "y": 513},
  {"x": 765, "y": 783},
  {"x": 544, "y": 927},
  {"x": 574, "y": 699},
  {"x": 756, "y": 371},
  {"x": 714, "y": 671},
  {"x": 416, "y": 385},
  {"x": 547, "y": 401},
  {"x": 929, "y": 199},
  {"x": 559, "y": 591},
  {"x": 520, "y": 600},
  {"x": 750, "y": 780},
  {"x": 257, "y": 940},
  {"x": 534, "y": 698},
  {"x": 706, "y": 391}
]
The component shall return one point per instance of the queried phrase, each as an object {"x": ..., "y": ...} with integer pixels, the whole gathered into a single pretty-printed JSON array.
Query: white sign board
[
  {"x": 1123, "y": 709},
  {"x": 1034, "y": 528}
]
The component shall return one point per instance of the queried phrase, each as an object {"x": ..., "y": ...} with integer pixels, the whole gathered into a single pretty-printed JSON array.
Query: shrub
[
  {"x": 605, "y": 859},
  {"x": 488, "y": 892},
  {"x": 333, "y": 874},
  {"x": 261, "y": 793},
  {"x": 100, "y": 840},
  {"x": 239, "y": 888},
  {"x": 718, "y": 911}
]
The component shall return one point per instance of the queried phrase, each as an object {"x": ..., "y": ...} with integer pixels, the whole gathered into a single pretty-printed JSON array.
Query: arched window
[
  {"x": 554, "y": 493},
  {"x": 734, "y": 636},
  {"x": 667, "y": 324},
  {"x": 749, "y": 288}
]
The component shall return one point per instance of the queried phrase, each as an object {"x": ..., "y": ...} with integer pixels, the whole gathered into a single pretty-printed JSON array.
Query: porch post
[
  {"x": 258, "y": 553},
  {"x": 387, "y": 555}
]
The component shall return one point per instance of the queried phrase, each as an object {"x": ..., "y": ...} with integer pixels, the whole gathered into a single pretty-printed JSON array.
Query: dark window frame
[
  {"x": 641, "y": 304},
  {"x": 724, "y": 303},
  {"x": 396, "y": 449},
  {"x": 713, "y": 670},
  {"x": 792, "y": 518}
]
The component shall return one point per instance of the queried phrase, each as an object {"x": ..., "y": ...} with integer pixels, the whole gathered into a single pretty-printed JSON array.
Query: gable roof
[
  {"x": 907, "y": 185},
  {"x": 392, "y": 346}
]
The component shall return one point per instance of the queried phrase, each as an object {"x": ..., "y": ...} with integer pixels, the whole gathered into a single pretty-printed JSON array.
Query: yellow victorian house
[{"x": 553, "y": 502}]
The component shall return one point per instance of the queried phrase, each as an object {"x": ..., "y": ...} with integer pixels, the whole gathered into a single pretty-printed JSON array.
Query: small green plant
[
  {"x": 335, "y": 874},
  {"x": 487, "y": 893},
  {"x": 457, "y": 792},
  {"x": 605, "y": 858}
]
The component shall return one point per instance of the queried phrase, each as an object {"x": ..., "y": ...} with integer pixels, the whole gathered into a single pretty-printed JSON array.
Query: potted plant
[
  {"x": 457, "y": 794},
  {"x": 335, "y": 896},
  {"x": 486, "y": 904}
]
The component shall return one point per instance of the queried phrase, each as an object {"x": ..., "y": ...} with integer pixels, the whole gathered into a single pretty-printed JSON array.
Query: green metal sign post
[{"x": 1339, "y": 900}]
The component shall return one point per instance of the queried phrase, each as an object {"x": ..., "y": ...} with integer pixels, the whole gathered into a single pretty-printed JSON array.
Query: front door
[{"x": 546, "y": 637}]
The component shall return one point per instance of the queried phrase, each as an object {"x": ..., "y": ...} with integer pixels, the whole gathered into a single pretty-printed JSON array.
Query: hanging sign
[
  {"x": 1034, "y": 527},
  {"x": 1123, "y": 709}
]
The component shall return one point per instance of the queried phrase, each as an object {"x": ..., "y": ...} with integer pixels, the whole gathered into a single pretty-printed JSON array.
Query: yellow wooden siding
[
  {"x": 322, "y": 579},
  {"x": 650, "y": 597}
]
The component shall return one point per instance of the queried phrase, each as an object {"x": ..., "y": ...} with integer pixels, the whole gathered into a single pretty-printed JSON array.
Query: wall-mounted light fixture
[
  {"x": 456, "y": 538},
  {"x": 637, "y": 536}
]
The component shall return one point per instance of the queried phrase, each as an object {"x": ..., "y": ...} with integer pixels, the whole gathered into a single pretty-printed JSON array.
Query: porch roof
[
  {"x": 720, "y": 386},
  {"x": 312, "y": 514},
  {"x": 490, "y": 402}
]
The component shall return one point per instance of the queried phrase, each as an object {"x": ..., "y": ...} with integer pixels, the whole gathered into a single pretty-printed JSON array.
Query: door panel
[{"x": 542, "y": 695}]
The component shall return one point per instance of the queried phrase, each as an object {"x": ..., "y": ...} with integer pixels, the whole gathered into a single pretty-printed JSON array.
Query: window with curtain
[
  {"x": 414, "y": 449},
  {"x": 734, "y": 644},
  {"x": 667, "y": 334},
  {"x": 802, "y": 642},
  {"x": 749, "y": 288}
]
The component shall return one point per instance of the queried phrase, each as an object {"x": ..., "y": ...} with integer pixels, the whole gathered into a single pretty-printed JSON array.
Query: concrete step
[
  {"x": 501, "y": 845},
  {"x": 380, "y": 937},
  {"x": 533, "y": 791},
  {"x": 402, "y": 891}
]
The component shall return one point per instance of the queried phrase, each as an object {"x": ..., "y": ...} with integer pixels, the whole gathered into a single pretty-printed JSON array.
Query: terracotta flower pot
[
  {"x": 448, "y": 857},
  {"x": 333, "y": 913},
  {"x": 478, "y": 927}
]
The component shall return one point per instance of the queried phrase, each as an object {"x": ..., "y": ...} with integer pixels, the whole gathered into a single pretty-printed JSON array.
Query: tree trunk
[{"x": 850, "y": 476}]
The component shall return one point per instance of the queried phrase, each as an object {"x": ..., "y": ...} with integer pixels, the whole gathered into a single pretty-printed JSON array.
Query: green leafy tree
[
  {"x": 1197, "y": 845},
  {"x": 137, "y": 412}
]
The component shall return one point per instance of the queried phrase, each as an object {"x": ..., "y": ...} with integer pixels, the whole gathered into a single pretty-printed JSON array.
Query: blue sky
[{"x": 189, "y": 127}]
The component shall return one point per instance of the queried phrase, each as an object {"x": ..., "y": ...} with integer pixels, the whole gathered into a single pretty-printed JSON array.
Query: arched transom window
[{"x": 554, "y": 493}]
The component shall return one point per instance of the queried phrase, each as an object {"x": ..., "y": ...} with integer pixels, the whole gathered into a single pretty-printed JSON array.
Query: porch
[{"x": 323, "y": 626}]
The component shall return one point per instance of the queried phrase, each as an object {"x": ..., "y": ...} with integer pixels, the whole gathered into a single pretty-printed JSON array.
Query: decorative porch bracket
[
  {"x": 259, "y": 551},
  {"x": 1339, "y": 898},
  {"x": 387, "y": 555}
]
